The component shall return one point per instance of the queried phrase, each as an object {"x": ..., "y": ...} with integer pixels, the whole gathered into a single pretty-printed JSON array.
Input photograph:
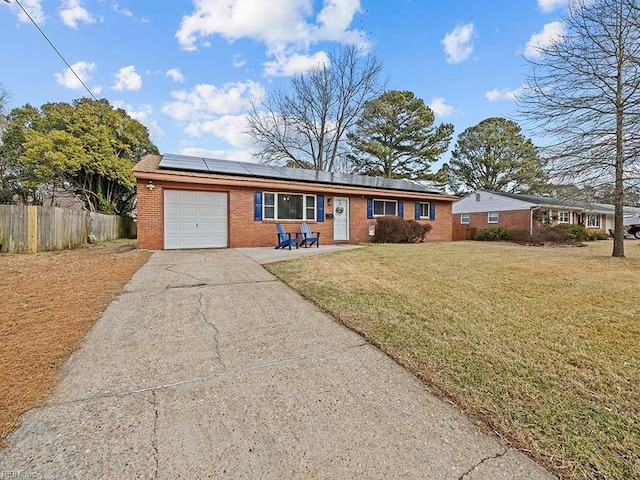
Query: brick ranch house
[
  {"x": 193, "y": 202},
  {"x": 484, "y": 208}
]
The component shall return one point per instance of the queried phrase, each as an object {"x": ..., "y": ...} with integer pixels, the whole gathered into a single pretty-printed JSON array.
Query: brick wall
[
  {"x": 520, "y": 219},
  {"x": 150, "y": 216},
  {"x": 506, "y": 219},
  {"x": 244, "y": 231}
]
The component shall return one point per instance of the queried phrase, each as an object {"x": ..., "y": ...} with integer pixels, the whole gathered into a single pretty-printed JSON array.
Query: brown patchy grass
[
  {"x": 50, "y": 300},
  {"x": 541, "y": 343}
]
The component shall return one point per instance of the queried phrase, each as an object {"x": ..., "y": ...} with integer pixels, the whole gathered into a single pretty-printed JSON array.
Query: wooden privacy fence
[
  {"x": 463, "y": 232},
  {"x": 37, "y": 229},
  {"x": 111, "y": 227}
]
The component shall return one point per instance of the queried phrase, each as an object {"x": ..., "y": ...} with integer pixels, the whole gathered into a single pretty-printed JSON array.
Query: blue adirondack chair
[
  {"x": 285, "y": 239},
  {"x": 309, "y": 237}
]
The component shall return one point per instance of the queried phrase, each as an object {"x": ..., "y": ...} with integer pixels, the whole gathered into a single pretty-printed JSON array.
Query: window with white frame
[
  {"x": 593, "y": 221},
  {"x": 288, "y": 206},
  {"x": 465, "y": 218},
  {"x": 545, "y": 216},
  {"x": 385, "y": 207},
  {"x": 564, "y": 217},
  {"x": 492, "y": 217},
  {"x": 424, "y": 210}
]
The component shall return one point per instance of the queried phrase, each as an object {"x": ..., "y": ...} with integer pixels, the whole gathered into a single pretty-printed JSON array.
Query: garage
[{"x": 195, "y": 219}]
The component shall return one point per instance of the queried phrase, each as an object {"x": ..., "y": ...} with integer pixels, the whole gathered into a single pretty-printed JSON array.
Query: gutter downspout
[{"x": 535, "y": 207}]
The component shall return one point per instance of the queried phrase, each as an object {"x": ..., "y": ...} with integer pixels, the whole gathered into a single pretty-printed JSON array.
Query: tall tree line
[{"x": 86, "y": 148}]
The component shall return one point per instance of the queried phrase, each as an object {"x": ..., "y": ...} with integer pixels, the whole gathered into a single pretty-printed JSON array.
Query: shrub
[
  {"x": 572, "y": 231},
  {"x": 491, "y": 234},
  {"x": 416, "y": 231},
  {"x": 518, "y": 235},
  {"x": 554, "y": 235},
  {"x": 597, "y": 236},
  {"x": 392, "y": 229}
]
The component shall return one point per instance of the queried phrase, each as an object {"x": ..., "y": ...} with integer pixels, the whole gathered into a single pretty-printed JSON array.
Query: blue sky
[{"x": 187, "y": 69}]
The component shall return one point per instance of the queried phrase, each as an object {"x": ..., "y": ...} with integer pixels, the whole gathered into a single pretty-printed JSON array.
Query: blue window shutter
[
  {"x": 257, "y": 205},
  {"x": 400, "y": 208},
  {"x": 432, "y": 211},
  {"x": 320, "y": 213},
  {"x": 418, "y": 211},
  {"x": 369, "y": 207}
]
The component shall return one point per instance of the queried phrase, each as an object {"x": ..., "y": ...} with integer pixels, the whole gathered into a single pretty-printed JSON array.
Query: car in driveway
[{"x": 634, "y": 230}]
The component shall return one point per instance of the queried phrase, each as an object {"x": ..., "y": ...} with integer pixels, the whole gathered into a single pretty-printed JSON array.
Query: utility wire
[{"x": 54, "y": 47}]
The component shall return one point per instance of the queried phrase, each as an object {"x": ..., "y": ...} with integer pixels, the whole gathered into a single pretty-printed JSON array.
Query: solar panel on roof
[
  {"x": 301, "y": 174},
  {"x": 222, "y": 166},
  {"x": 181, "y": 162},
  {"x": 260, "y": 170},
  {"x": 212, "y": 165}
]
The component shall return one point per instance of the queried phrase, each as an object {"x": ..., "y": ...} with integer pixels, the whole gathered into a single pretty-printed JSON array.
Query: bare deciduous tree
[
  {"x": 583, "y": 96},
  {"x": 307, "y": 124}
]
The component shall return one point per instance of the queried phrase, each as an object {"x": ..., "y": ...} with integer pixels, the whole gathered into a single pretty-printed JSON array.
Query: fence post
[{"x": 32, "y": 229}]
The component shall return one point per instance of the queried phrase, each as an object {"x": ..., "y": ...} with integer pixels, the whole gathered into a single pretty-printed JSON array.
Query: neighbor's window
[
  {"x": 593, "y": 221},
  {"x": 385, "y": 207},
  {"x": 544, "y": 216},
  {"x": 492, "y": 217},
  {"x": 465, "y": 218},
  {"x": 424, "y": 210},
  {"x": 563, "y": 217},
  {"x": 289, "y": 206}
]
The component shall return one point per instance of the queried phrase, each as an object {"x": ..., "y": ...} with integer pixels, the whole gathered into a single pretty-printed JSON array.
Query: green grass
[{"x": 541, "y": 343}]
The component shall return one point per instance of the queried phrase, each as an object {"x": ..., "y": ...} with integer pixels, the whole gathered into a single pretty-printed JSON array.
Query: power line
[{"x": 54, "y": 47}]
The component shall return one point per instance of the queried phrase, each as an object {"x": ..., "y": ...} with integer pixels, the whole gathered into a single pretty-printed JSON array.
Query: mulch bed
[{"x": 50, "y": 300}]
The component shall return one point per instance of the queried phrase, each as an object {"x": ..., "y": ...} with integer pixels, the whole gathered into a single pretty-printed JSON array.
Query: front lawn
[{"x": 541, "y": 343}]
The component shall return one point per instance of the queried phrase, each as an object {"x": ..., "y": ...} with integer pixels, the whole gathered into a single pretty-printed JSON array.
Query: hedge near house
[{"x": 393, "y": 229}]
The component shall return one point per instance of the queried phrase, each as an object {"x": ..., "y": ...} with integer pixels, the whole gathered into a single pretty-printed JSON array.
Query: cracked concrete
[
  {"x": 208, "y": 367},
  {"x": 479, "y": 464},
  {"x": 216, "y": 344},
  {"x": 154, "y": 439}
]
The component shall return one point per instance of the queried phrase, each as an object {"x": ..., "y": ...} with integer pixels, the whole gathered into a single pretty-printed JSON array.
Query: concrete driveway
[{"x": 209, "y": 367}]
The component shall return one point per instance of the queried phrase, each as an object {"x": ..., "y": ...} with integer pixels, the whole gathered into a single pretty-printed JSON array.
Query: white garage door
[{"x": 195, "y": 219}]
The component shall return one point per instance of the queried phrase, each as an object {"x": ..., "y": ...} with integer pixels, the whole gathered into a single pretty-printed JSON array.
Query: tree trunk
[{"x": 618, "y": 232}]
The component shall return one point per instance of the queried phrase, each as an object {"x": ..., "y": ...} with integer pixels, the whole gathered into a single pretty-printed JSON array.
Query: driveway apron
[{"x": 209, "y": 367}]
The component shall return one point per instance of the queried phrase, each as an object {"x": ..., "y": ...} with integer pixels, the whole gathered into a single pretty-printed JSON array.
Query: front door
[{"x": 341, "y": 218}]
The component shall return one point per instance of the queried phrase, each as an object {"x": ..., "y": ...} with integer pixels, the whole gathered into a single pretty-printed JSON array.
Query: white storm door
[
  {"x": 340, "y": 218},
  {"x": 195, "y": 219}
]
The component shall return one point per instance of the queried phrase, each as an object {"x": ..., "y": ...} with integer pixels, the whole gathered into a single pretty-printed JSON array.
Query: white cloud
[
  {"x": 458, "y": 44},
  {"x": 287, "y": 65},
  {"x": 71, "y": 12},
  {"x": 143, "y": 114},
  {"x": 274, "y": 23},
  {"x": 121, "y": 10},
  {"x": 496, "y": 95},
  {"x": 176, "y": 75},
  {"x": 236, "y": 155},
  {"x": 551, "y": 5},
  {"x": 85, "y": 70},
  {"x": 33, "y": 7},
  {"x": 238, "y": 61},
  {"x": 550, "y": 33},
  {"x": 206, "y": 101},
  {"x": 231, "y": 128},
  {"x": 283, "y": 25},
  {"x": 126, "y": 12},
  {"x": 127, "y": 79},
  {"x": 440, "y": 107},
  {"x": 334, "y": 20}
]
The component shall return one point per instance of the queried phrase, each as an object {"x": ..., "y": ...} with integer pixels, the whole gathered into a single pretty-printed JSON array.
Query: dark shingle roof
[
  {"x": 228, "y": 167},
  {"x": 556, "y": 202}
]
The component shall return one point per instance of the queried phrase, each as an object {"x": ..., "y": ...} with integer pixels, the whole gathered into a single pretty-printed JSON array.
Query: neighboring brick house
[
  {"x": 484, "y": 208},
  {"x": 192, "y": 202}
]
